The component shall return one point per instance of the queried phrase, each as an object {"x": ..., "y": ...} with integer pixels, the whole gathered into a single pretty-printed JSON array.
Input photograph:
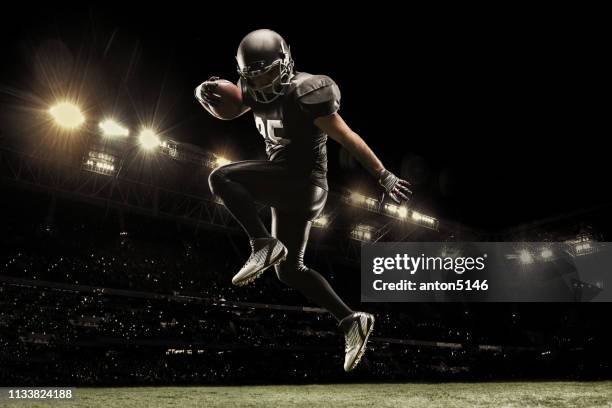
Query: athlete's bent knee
[{"x": 217, "y": 179}]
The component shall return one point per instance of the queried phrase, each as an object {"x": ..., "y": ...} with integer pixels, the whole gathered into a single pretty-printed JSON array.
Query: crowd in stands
[{"x": 100, "y": 303}]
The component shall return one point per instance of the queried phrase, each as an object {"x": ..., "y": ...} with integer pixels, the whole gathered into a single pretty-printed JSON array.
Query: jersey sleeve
[{"x": 318, "y": 96}]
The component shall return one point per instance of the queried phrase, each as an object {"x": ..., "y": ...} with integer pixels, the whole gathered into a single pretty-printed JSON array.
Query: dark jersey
[{"x": 287, "y": 125}]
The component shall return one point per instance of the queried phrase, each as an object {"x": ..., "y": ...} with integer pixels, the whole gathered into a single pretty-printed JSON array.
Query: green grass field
[{"x": 463, "y": 395}]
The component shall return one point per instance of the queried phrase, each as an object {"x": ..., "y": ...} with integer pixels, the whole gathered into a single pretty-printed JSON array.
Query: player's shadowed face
[{"x": 264, "y": 80}]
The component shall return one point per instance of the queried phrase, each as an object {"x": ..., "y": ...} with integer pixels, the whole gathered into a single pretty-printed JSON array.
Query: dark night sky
[{"x": 498, "y": 122}]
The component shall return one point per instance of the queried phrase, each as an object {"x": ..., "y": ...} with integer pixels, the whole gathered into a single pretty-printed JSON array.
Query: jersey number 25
[{"x": 267, "y": 129}]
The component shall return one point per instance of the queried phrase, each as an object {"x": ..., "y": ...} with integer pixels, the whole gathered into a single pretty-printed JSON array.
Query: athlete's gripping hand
[
  {"x": 205, "y": 92},
  {"x": 394, "y": 186}
]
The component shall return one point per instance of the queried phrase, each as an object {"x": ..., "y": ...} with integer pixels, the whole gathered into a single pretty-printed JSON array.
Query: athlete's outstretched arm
[{"x": 337, "y": 129}]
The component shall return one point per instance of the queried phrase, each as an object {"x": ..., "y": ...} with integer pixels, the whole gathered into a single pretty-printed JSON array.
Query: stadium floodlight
[
  {"x": 112, "y": 128},
  {"x": 360, "y": 200},
  {"x": 105, "y": 166},
  {"x": 321, "y": 221},
  {"x": 362, "y": 232},
  {"x": 391, "y": 208},
  {"x": 525, "y": 257},
  {"x": 170, "y": 148},
  {"x": 396, "y": 211},
  {"x": 67, "y": 115},
  {"x": 371, "y": 203},
  {"x": 423, "y": 219},
  {"x": 546, "y": 253},
  {"x": 100, "y": 162},
  {"x": 357, "y": 198},
  {"x": 582, "y": 245},
  {"x": 148, "y": 139}
]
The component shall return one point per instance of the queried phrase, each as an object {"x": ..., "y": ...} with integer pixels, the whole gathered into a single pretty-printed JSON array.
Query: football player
[{"x": 295, "y": 112}]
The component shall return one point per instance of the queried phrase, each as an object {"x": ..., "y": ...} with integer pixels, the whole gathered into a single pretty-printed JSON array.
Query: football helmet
[{"x": 264, "y": 64}]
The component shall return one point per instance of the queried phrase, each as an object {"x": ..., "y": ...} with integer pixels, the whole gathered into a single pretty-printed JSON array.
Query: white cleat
[
  {"x": 266, "y": 253},
  {"x": 357, "y": 328}
]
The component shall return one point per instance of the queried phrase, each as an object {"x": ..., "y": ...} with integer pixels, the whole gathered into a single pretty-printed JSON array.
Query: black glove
[
  {"x": 205, "y": 92},
  {"x": 394, "y": 186}
]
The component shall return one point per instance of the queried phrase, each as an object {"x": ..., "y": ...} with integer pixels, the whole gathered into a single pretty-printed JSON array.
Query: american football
[{"x": 229, "y": 104}]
